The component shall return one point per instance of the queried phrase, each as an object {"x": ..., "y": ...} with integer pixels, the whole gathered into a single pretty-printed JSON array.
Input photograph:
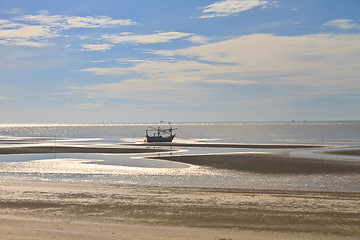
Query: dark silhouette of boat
[{"x": 160, "y": 134}]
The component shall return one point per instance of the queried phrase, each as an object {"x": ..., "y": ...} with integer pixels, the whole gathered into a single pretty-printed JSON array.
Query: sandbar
[
  {"x": 135, "y": 148},
  {"x": 346, "y": 152},
  {"x": 269, "y": 163},
  {"x": 76, "y": 149},
  {"x": 233, "y": 145}
]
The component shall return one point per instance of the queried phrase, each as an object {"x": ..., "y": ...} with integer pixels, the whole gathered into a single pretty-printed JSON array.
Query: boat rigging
[{"x": 160, "y": 134}]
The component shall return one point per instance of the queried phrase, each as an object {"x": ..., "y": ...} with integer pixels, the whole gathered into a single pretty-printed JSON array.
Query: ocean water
[
  {"x": 246, "y": 132},
  {"x": 134, "y": 169}
]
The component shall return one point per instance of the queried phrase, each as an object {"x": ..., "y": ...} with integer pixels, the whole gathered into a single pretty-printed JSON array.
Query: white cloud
[
  {"x": 266, "y": 51},
  {"x": 6, "y": 24},
  {"x": 5, "y": 98},
  {"x": 27, "y": 43},
  {"x": 12, "y": 11},
  {"x": 344, "y": 24},
  {"x": 68, "y": 22},
  {"x": 107, "y": 71},
  {"x": 198, "y": 39},
  {"x": 322, "y": 62},
  {"x": 25, "y": 35},
  {"x": 144, "y": 90},
  {"x": 160, "y": 37},
  {"x": 231, "y": 7},
  {"x": 37, "y": 30},
  {"x": 97, "y": 22},
  {"x": 97, "y": 47},
  {"x": 174, "y": 70},
  {"x": 26, "y": 31},
  {"x": 235, "y": 82},
  {"x": 262, "y": 54}
]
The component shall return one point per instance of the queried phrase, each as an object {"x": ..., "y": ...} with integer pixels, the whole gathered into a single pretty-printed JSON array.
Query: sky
[{"x": 117, "y": 61}]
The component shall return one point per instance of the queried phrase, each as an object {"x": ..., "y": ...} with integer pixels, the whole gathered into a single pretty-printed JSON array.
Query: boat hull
[{"x": 160, "y": 138}]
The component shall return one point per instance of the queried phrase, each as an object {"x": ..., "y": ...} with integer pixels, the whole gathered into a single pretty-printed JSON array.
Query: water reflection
[
  {"x": 137, "y": 169},
  {"x": 126, "y": 160}
]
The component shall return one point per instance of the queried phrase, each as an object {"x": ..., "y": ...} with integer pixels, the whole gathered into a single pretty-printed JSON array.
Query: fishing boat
[{"x": 160, "y": 134}]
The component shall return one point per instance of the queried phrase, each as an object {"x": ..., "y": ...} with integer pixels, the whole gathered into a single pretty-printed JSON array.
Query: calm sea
[{"x": 133, "y": 169}]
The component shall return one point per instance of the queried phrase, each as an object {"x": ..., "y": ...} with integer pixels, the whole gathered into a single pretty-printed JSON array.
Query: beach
[
  {"x": 68, "y": 210},
  {"x": 48, "y": 210},
  {"x": 180, "y": 120}
]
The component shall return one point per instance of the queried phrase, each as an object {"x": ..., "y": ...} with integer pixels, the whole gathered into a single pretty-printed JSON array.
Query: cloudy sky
[{"x": 99, "y": 61}]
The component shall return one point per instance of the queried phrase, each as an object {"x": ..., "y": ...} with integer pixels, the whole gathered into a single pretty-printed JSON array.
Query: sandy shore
[
  {"x": 49, "y": 210},
  {"x": 46, "y": 210}
]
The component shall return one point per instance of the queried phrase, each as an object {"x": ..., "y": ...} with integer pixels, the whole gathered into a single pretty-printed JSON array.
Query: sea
[{"x": 136, "y": 169}]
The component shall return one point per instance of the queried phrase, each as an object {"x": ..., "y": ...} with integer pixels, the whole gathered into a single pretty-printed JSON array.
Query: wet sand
[
  {"x": 46, "y": 210},
  {"x": 346, "y": 152},
  {"x": 233, "y": 145},
  {"x": 264, "y": 163},
  {"x": 269, "y": 163},
  {"x": 74, "y": 149},
  {"x": 135, "y": 148}
]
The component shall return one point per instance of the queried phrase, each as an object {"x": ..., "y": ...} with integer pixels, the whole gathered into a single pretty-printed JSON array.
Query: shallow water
[{"x": 133, "y": 169}]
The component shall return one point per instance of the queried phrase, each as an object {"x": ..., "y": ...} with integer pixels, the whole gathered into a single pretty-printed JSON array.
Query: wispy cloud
[
  {"x": 25, "y": 35},
  {"x": 308, "y": 61},
  {"x": 344, "y": 24},
  {"x": 5, "y": 98},
  {"x": 38, "y": 30},
  {"x": 43, "y": 12},
  {"x": 231, "y": 7},
  {"x": 159, "y": 37},
  {"x": 12, "y": 11},
  {"x": 97, "y": 47},
  {"x": 140, "y": 90},
  {"x": 198, "y": 39},
  {"x": 235, "y": 82},
  {"x": 68, "y": 22},
  {"x": 84, "y": 106},
  {"x": 285, "y": 55}
]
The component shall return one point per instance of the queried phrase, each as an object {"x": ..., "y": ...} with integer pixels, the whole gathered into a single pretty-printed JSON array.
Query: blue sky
[{"x": 146, "y": 61}]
